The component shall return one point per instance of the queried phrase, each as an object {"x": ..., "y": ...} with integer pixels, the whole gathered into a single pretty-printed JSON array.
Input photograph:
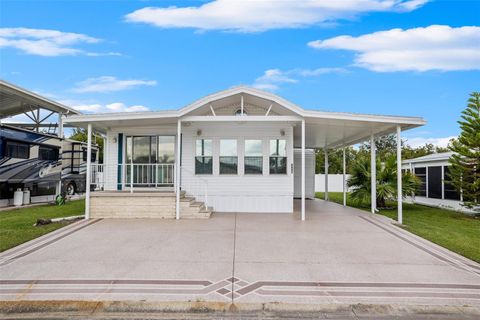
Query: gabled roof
[
  {"x": 431, "y": 157},
  {"x": 241, "y": 90}
]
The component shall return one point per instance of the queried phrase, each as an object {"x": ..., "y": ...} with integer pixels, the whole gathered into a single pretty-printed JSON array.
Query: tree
[
  {"x": 360, "y": 181},
  {"x": 80, "y": 134},
  {"x": 385, "y": 146},
  {"x": 411, "y": 153},
  {"x": 335, "y": 160},
  {"x": 465, "y": 163}
]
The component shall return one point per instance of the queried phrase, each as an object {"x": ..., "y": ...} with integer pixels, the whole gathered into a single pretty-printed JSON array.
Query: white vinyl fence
[{"x": 334, "y": 182}]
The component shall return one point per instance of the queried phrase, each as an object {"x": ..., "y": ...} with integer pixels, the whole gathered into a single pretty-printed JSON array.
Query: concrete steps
[{"x": 146, "y": 205}]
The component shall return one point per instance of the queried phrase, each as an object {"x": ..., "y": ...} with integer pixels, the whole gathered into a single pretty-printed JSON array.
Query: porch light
[
  {"x": 282, "y": 132},
  {"x": 199, "y": 132}
]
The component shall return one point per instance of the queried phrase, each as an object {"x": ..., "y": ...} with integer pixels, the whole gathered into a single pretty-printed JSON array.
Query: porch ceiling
[{"x": 336, "y": 133}]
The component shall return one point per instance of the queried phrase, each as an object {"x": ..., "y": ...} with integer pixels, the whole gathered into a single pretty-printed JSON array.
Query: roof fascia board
[{"x": 364, "y": 117}]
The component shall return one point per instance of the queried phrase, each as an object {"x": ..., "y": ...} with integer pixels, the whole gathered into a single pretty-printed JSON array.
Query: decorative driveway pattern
[{"x": 339, "y": 255}]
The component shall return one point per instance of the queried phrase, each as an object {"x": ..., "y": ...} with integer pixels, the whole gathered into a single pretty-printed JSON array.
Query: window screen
[
  {"x": 435, "y": 182},
  {"x": 228, "y": 156},
  {"x": 449, "y": 190},
  {"x": 203, "y": 157},
  {"x": 47, "y": 153},
  {"x": 278, "y": 156},
  {"x": 421, "y": 173},
  {"x": 253, "y": 157},
  {"x": 14, "y": 149}
]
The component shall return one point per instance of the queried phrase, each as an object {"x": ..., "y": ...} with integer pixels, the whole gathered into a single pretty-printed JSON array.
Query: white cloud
[
  {"x": 273, "y": 78},
  {"x": 50, "y": 43},
  {"x": 112, "y": 107},
  {"x": 420, "y": 141},
  {"x": 434, "y": 47},
  {"x": 109, "y": 84},
  {"x": 262, "y": 15}
]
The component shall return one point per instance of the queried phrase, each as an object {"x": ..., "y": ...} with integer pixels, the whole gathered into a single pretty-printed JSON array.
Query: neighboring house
[
  {"x": 232, "y": 151},
  {"x": 435, "y": 190}
]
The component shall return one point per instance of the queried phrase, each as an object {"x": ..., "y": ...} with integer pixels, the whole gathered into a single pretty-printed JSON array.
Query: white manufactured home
[
  {"x": 435, "y": 190},
  {"x": 232, "y": 151}
]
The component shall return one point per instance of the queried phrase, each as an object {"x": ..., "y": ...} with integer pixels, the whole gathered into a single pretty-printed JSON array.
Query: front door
[{"x": 151, "y": 159}]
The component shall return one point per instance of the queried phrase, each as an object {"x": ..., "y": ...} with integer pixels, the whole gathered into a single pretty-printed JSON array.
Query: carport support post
[
  {"x": 60, "y": 135},
  {"x": 178, "y": 170},
  {"x": 89, "y": 171},
  {"x": 344, "y": 180},
  {"x": 326, "y": 173},
  {"x": 399, "y": 176},
  {"x": 303, "y": 170},
  {"x": 373, "y": 173}
]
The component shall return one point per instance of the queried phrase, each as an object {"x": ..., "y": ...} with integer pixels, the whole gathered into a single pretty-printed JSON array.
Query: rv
[{"x": 38, "y": 162}]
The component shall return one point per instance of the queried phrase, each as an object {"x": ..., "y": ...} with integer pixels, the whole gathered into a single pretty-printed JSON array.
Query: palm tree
[{"x": 386, "y": 181}]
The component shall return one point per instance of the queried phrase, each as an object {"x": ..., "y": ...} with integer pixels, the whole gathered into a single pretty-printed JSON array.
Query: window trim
[
  {"x": 277, "y": 157},
  {"x": 235, "y": 156},
  {"x": 245, "y": 156},
  {"x": 203, "y": 156}
]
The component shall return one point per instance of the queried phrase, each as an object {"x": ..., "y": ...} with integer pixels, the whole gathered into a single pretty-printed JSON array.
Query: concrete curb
[{"x": 111, "y": 307}]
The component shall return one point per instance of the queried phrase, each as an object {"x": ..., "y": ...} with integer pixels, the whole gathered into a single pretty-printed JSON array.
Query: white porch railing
[{"x": 133, "y": 175}]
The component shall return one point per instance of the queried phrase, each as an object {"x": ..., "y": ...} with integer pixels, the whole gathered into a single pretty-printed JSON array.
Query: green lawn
[
  {"x": 16, "y": 225},
  {"x": 452, "y": 230}
]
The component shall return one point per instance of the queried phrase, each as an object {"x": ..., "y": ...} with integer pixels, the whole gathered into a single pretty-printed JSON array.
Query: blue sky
[{"x": 338, "y": 56}]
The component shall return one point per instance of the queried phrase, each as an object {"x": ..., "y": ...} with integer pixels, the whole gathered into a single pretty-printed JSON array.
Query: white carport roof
[
  {"x": 322, "y": 129},
  {"x": 15, "y": 100}
]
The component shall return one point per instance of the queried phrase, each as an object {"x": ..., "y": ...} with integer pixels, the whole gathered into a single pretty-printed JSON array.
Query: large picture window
[
  {"x": 15, "y": 149},
  {"x": 253, "y": 157},
  {"x": 47, "y": 153},
  {"x": 278, "y": 156},
  {"x": 228, "y": 156},
  {"x": 203, "y": 157}
]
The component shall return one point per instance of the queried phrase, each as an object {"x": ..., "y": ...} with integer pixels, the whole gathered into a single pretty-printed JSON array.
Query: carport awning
[
  {"x": 349, "y": 129},
  {"x": 15, "y": 100}
]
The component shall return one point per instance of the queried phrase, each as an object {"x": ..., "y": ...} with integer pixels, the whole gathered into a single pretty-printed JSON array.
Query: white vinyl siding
[{"x": 241, "y": 192}]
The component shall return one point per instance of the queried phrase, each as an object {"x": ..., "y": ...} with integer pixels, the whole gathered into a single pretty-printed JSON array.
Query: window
[
  {"x": 435, "y": 182},
  {"x": 278, "y": 156},
  {"x": 449, "y": 190},
  {"x": 47, "y": 153},
  {"x": 421, "y": 173},
  {"x": 93, "y": 156},
  {"x": 239, "y": 112},
  {"x": 203, "y": 157},
  {"x": 14, "y": 149},
  {"x": 253, "y": 157},
  {"x": 228, "y": 157}
]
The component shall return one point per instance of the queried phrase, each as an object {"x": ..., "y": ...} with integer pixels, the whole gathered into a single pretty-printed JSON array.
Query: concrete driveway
[{"x": 338, "y": 256}]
